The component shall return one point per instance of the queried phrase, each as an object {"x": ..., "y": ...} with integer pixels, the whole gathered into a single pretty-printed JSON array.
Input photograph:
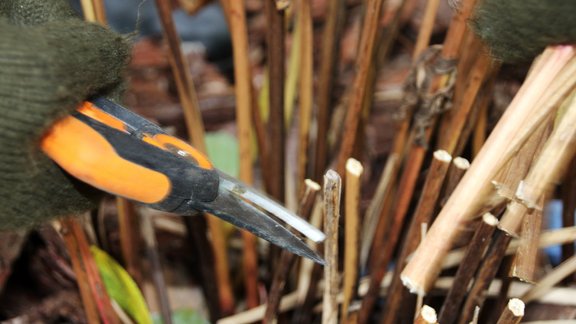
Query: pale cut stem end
[
  {"x": 461, "y": 163},
  {"x": 442, "y": 156},
  {"x": 412, "y": 286},
  {"x": 428, "y": 314},
  {"x": 312, "y": 184},
  {"x": 354, "y": 167},
  {"x": 490, "y": 219},
  {"x": 516, "y": 306}
]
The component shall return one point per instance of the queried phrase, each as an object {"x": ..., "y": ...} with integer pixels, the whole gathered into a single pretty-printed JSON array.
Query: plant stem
[
  {"x": 244, "y": 105},
  {"x": 467, "y": 268},
  {"x": 130, "y": 238},
  {"x": 354, "y": 172},
  {"x": 513, "y": 312},
  {"x": 365, "y": 63},
  {"x": 94, "y": 296},
  {"x": 155, "y": 264},
  {"x": 422, "y": 215},
  {"x": 306, "y": 88},
  {"x": 424, "y": 267},
  {"x": 193, "y": 120},
  {"x": 287, "y": 259},
  {"x": 276, "y": 128},
  {"x": 332, "y": 189},
  {"x": 427, "y": 315},
  {"x": 486, "y": 274},
  {"x": 565, "y": 269},
  {"x": 329, "y": 54}
]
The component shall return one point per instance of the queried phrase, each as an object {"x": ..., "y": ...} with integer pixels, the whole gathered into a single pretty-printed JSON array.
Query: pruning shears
[{"x": 113, "y": 149}]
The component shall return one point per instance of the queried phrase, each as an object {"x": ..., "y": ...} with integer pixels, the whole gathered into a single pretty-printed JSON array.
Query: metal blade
[
  {"x": 271, "y": 206},
  {"x": 238, "y": 212}
]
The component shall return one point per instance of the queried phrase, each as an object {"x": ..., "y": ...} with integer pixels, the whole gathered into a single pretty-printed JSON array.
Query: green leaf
[
  {"x": 223, "y": 152},
  {"x": 183, "y": 316},
  {"x": 121, "y": 287}
]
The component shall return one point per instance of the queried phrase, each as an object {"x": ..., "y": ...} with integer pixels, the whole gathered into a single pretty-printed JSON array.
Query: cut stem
[
  {"x": 354, "y": 172},
  {"x": 468, "y": 266},
  {"x": 424, "y": 267},
  {"x": 332, "y": 189},
  {"x": 422, "y": 215},
  {"x": 513, "y": 312}
]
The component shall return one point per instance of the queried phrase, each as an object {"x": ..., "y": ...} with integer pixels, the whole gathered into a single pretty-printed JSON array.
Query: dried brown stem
[
  {"x": 364, "y": 64},
  {"x": 81, "y": 275},
  {"x": 459, "y": 166},
  {"x": 476, "y": 247},
  {"x": 332, "y": 189},
  {"x": 306, "y": 99},
  {"x": 244, "y": 104},
  {"x": 387, "y": 246},
  {"x": 423, "y": 269},
  {"x": 182, "y": 76},
  {"x": 526, "y": 259},
  {"x": 93, "y": 292},
  {"x": 156, "y": 269},
  {"x": 513, "y": 312},
  {"x": 371, "y": 218},
  {"x": 193, "y": 120},
  {"x": 547, "y": 238},
  {"x": 310, "y": 273},
  {"x": 287, "y": 259},
  {"x": 354, "y": 172},
  {"x": 275, "y": 54},
  {"x": 329, "y": 53},
  {"x": 426, "y": 28},
  {"x": 568, "y": 196},
  {"x": 422, "y": 215},
  {"x": 129, "y": 225},
  {"x": 486, "y": 274},
  {"x": 197, "y": 227},
  {"x": 453, "y": 123}
]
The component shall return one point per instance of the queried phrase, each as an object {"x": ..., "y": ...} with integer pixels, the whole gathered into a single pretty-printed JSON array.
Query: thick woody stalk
[{"x": 424, "y": 267}]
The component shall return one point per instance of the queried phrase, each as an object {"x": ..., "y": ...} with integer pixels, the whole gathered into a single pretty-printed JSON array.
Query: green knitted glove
[
  {"x": 50, "y": 61},
  {"x": 518, "y": 30}
]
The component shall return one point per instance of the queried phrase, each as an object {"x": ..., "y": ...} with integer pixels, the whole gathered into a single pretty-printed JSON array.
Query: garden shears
[{"x": 115, "y": 150}]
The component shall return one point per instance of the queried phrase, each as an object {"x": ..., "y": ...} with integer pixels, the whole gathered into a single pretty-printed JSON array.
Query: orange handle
[{"x": 87, "y": 155}]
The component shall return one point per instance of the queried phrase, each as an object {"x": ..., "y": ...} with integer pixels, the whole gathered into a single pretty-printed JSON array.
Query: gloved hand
[{"x": 50, "y": 61}]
